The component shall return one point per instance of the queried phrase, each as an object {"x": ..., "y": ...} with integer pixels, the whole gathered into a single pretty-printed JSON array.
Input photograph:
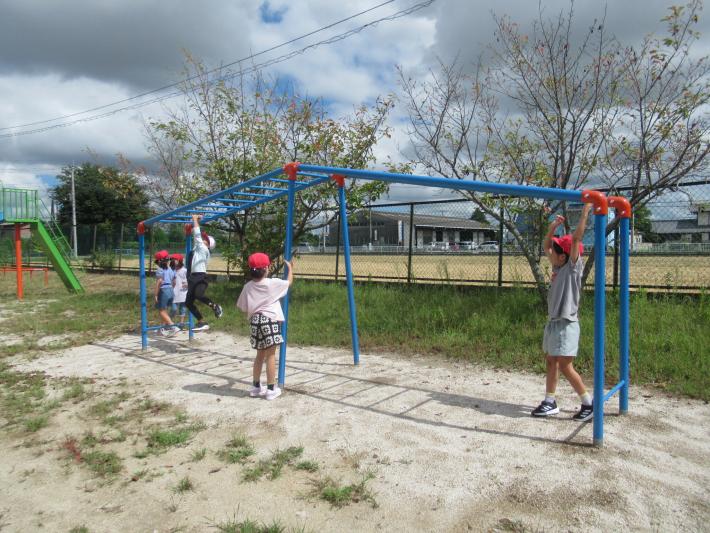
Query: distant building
[
  {"x": 534, "y": 233},
  {"x": 382, "y": 228},
  {"x": 687, "y": 229}
]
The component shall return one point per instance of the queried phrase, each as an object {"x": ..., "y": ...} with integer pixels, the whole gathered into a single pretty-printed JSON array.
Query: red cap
[
  {"x": 259, "y": 260},
  {"x": 177, "y": 257},
  {"x": 565, "y": 242},
  {"x": 162, "y": 254}
]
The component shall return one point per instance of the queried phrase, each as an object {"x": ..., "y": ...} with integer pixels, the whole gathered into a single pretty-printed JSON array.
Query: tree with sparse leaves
[
  {"x": 229, "y": 132},
  {"x": 576, "y": 116}
]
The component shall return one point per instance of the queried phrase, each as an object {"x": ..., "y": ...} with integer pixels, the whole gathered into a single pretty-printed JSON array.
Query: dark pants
[{"x": 196, "y": 287}]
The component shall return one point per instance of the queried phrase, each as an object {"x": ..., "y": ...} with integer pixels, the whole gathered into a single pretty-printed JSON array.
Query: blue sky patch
[{"x": 269, "y": 15}]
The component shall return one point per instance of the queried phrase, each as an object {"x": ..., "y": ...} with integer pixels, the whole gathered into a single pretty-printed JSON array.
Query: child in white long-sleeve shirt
[
  {"x": 179, "y": 289},
  {"x": 259, "y": 299}
]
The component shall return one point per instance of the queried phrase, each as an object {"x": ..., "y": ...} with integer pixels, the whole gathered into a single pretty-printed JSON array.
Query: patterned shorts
[{"x": 264, "y": 332}]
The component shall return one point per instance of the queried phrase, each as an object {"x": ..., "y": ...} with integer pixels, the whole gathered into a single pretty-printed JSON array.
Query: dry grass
[{"x": 664, "y": 271}]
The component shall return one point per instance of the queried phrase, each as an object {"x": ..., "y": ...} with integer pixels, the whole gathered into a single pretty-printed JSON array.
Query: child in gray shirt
[{"x": 561, "y": 337}]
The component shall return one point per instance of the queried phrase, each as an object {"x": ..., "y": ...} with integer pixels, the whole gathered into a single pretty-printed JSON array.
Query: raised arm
[
  {"x": 197, "y": 235},
  {"x": 578, "y": 234},
  {"x": 289, "y": 264},
  {"x": 547, "y": 243}
]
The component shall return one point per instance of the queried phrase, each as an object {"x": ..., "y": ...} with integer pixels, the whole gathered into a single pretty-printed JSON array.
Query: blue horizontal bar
[
  {"x": 269, "y": 176},
  {"x": 613, "y": 390},
  {"x": 231, "y": 201},
  {"x": 449, "y": 183},
  {"x": 289, "y": 181},
  {"x": 279, "y": 195},
  {"x": 312, "y": 175},
  {"x": 264, "y": 187},
  {"x": 250, "y": 194}
]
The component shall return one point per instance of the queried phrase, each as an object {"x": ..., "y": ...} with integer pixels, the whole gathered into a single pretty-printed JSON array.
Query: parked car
[
  {"x": 488, "y": 246},
  {"x": 467, "y": 246}
]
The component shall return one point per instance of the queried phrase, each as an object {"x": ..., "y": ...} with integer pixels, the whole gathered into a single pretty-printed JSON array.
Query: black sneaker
[
  {"x": 201, "y": 326},
  {"x": 217, "y": 310},
  {"x": 585, "y": 413},
  {"x": 546, "y": 409}
]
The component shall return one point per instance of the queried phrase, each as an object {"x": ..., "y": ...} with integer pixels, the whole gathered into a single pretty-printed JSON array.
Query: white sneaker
[
  {"x": 272, "y": 394},
  {"x": 255, "y": 392},
  {"x": 165, "y": 332}
]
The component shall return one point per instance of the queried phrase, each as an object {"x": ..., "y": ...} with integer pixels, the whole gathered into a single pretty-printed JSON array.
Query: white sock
[
  {"x": 549, "y": 398},
  {"x": 586, "y": 398}
]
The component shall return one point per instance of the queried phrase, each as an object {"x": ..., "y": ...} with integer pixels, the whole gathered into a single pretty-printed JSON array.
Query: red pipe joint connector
[{"x": 597, "y": 199}]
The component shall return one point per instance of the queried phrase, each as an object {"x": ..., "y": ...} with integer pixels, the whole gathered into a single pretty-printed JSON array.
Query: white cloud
[{"x": 66, "y": 57}]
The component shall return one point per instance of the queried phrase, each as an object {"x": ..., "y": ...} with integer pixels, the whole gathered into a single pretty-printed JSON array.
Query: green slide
[
  {"x": 61, "y": 266},
  {"x": 23, "y": 206}
]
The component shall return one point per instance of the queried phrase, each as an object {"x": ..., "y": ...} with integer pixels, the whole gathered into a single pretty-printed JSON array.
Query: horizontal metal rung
[
  {"x": 251, "y": 194},
  {"x": 267, "y": 188},
  {"x": 289, "y": 181}
]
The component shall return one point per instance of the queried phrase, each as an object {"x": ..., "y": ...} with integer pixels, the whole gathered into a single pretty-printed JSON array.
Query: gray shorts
[{"x": 561, "y": 337}]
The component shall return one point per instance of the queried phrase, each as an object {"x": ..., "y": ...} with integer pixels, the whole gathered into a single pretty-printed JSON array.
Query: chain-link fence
[
  {"x": 453, "y": 242},
  {"x": 444, "y": 242}
]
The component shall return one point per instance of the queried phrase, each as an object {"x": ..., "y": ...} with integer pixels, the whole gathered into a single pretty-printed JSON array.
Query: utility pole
[{"x": 73, "y": 213}]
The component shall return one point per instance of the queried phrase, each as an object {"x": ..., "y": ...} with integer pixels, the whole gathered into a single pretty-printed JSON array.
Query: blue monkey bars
[{"x": 270, "y": 186}]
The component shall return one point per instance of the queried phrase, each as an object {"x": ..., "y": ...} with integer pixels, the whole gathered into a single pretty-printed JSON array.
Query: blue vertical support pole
[
  {"x": 188, "y": 249},
  {"x": 623, "y": 211},
  {"x": 624, "y": 318},
  {"x": 141, "y": 277},
  {"x": 290, "y": 170},
  {"x": 340, "y": 180},
  {"x": 600, "y": 216}
]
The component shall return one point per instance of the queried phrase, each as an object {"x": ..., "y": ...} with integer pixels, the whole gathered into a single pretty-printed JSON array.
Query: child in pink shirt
[{"x": 259, "y": 299}]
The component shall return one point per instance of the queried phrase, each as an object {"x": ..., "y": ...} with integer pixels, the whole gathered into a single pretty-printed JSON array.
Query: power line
[
  {"x": 175, "y": 84},
  {"x": 241, "y": 71}
]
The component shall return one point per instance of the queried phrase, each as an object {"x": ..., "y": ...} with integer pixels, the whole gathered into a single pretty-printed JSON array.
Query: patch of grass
[
  {"x": 51, "y": 405},
  {"x": 103, "y": 463},
  {"x": 79, "y": 529},
  {"x": 236, "y": 450},
  {"x": 184, "y": 485},
  {"x": 515, "y": 526},
  {"x": 308, "y": 466},
  {"x": 340, "y": 495},
  {"x": 139, "y": 474},
  {"x": 151, "y": 406},
  {"x": 160, "y": 439},
  {"x": 80, "y": 325},
  {"x": 76, "y": 391},
  {"x": 36, "y": 423},
  {"x": 105, "y": 407},
  {"x": 198, "y": 455},
  {"x": 248, "y": 526},
  {"x": 113, "y": 420},
  {"x": 273, "y": 466},
  {"x": 163, "y": 438},
  {"x": 21, "y": 398},
  {"x": 90, "y": 440}
]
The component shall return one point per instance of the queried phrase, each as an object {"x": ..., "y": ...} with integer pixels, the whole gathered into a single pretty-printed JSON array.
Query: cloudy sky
[{"x": 60, "y": 59}]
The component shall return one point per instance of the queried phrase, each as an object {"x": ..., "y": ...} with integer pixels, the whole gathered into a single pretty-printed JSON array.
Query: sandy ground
[{"x": 451, "y": 445}]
